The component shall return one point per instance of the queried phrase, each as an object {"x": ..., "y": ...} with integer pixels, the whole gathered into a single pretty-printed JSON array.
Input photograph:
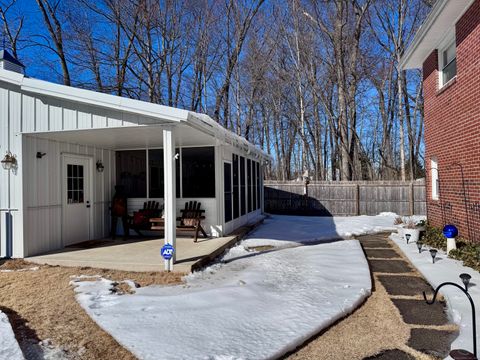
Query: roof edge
[{"x": 423, "y": 31}]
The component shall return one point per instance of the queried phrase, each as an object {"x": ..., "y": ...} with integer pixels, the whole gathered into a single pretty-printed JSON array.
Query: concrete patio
[{"x": 141, "y": 254}]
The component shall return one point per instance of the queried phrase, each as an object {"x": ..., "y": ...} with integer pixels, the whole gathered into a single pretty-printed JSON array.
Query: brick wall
[{"x": 452, "y": 131}]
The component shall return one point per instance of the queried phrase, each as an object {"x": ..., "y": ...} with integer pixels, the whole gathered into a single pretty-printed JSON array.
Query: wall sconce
[
  {"x": 40, "y": 155},
  {"x": 9, "y": 161},
  {"x": 100, "y": 166}
]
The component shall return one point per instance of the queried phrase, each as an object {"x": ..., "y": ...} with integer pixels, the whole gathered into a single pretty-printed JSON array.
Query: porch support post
[{"x": 170, "y": 192}]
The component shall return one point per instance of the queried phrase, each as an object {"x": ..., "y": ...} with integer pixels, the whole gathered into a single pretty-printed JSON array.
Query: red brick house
[{"x": 447, "y": 48}]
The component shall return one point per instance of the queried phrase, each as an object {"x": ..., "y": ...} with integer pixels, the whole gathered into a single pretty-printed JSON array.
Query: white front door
[{"x": 76, "y": 199}]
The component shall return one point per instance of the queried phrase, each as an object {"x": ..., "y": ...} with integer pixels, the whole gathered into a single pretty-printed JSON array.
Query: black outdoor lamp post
[
  {"x": 419, "y": 246},
  {"x": 460, "y": 354},
  {"x": 433, "y": 252}
]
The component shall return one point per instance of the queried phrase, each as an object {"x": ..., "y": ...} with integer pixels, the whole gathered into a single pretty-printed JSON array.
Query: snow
[
  {"x": 290, "y": 230},
  {"x": 9, "y": 348},
  {"x": 250, "y": 305},
  {"x": 447, "y": 269}
]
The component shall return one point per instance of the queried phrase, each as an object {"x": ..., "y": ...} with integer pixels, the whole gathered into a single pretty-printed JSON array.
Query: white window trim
[
  {"x": 435, "y": 191},
  {"x": 445, "y": 44}
]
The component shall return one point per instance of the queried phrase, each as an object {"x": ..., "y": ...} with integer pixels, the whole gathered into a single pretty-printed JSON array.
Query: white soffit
[
  {"x": 440, "y": 21},
  {"x": 127, "y": 137}
]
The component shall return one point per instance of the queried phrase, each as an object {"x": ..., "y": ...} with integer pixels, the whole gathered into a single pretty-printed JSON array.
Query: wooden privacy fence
[{"x": 345, "y": 198}]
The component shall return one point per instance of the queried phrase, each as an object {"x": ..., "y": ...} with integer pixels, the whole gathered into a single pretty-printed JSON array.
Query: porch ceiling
[{"x": 128, "y": 137}]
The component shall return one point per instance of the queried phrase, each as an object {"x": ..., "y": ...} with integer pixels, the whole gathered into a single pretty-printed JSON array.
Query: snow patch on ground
[
  {"x": 446, "y": 269},
  {"x": 281, "y": 230},
  {"x": 259, "y": 306},
  {"x": 9, "y": 348}
]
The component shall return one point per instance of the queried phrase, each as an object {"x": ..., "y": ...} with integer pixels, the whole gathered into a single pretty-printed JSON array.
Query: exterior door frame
[{"x": 63, "y": 177}]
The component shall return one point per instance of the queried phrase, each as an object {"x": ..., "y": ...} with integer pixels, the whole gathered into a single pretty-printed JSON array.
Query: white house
[{"x": 49, "y": 130}]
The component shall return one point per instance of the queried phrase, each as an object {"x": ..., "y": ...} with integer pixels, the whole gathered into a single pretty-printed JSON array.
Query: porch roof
[{"x": 154, "y": 116}]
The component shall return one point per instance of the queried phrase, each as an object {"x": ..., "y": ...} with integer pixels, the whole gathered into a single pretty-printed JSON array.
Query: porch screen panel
[
  {"x": 236, "y": 188},
  {"x": 258, "y": 185},
  {"x": 243, "y": 190},
  {"x": 131, "y": 172},
  {"x": 198, "y": 172},
  {"x": 254, "y": 185},
  {"x": 227, "y": 190},
  {"x": 249, "y": 184},
  {"x": 157, "y": 181}
]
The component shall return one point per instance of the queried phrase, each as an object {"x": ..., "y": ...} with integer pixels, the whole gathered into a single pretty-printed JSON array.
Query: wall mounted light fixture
[
  {"x": 40, "y": 154},
  {"x": 100, "y": 166},
  {"x": 9, "y": 161}
]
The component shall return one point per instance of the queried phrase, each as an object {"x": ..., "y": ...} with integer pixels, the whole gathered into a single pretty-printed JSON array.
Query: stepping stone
[
  {"x": 375, "y": 244},
  {"x": 386, "y": 254},
  {"x": 395, "y": 354},
  {"x": 389, "y": 266},
  {"x": 404, "y": 285},
  {"x": 420, "y": 313},
  {"x": 432, "y": 342}
]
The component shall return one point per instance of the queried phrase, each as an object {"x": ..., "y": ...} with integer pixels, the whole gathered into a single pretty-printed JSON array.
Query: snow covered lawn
[
  {"x": 281, "y": 230},
  {"x": 251, "y": 305},
  {"x": 9, "y": 348},
  {"x": 446, "y": 269}
]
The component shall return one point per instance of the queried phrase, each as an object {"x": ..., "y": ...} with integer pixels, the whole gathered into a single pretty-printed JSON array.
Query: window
[
  {"x": 435, "y": 179},
  {"x": 258, "y": 186},
  {"x": 227, "y": 188},
  {"x": 249, "y": 184},
  {"x": 254, "y": 186},
  {"x": 198, "y": 172},
  {"x": 156, "y": 178},
  {"x": 243, "y": 192},
  {"x": 131, "y": 172},
  {"x": 75, "y": 181},
  {"x": 155, "y": 165},
  {"x": 236, "y": 188},
  {"x": 448, "y": 62}
]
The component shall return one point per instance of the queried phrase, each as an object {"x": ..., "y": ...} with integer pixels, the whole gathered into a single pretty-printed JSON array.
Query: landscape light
[
  {"x": 433, "y": 252},
  {"x": 407, "y": 236},
  {"x": 466, "y": 279},
  {"x": 419, "y": 246}
]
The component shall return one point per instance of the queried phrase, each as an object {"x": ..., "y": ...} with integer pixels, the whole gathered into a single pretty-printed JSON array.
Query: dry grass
[
  {"x": 41, "y": 305},
  {"x": 375, "y": 326}
]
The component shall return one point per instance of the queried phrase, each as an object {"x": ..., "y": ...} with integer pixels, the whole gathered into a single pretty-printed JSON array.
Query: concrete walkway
[{"x": 430, "y": 330}]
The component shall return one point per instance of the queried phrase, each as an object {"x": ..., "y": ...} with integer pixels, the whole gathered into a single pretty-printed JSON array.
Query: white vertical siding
[{"x": 43, "y": 192}]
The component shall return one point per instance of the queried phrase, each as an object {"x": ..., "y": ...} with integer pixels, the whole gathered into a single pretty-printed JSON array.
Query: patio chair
[
  {"x": 191, "y": 219},
  {"x": 141, "y": 218}
]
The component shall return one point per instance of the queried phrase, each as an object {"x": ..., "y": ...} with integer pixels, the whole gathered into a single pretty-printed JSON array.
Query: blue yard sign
[{"x": 167, "y": 251}]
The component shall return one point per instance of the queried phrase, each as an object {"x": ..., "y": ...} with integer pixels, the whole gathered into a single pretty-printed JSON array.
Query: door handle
[{"x": 88, "y": 204}]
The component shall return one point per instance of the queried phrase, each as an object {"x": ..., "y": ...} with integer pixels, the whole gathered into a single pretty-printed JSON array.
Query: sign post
[{"x": 167, "y": 251}]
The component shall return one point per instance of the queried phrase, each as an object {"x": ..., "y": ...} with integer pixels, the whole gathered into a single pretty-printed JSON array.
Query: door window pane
[
  {"x": 131, "y": 172},
  {"x": 198, "y": 172},
  {"x": 75, "y": 182},
  {"x": 227, "y": 186}
]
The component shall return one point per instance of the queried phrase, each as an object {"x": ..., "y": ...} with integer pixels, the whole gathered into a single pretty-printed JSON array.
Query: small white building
[{"x": 60, "y": 137}]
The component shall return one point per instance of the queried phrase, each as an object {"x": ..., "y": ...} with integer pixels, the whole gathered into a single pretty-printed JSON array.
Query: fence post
[{"x": 411, "y": 200}]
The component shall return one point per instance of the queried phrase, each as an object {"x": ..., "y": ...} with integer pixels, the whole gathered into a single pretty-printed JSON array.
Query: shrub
[{"x": 433, "y": 237}]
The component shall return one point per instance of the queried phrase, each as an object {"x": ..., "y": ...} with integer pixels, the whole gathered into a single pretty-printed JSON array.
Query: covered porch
[
  {"x": 140, "y": 254},
  {"x": 170, "y": 164}
]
